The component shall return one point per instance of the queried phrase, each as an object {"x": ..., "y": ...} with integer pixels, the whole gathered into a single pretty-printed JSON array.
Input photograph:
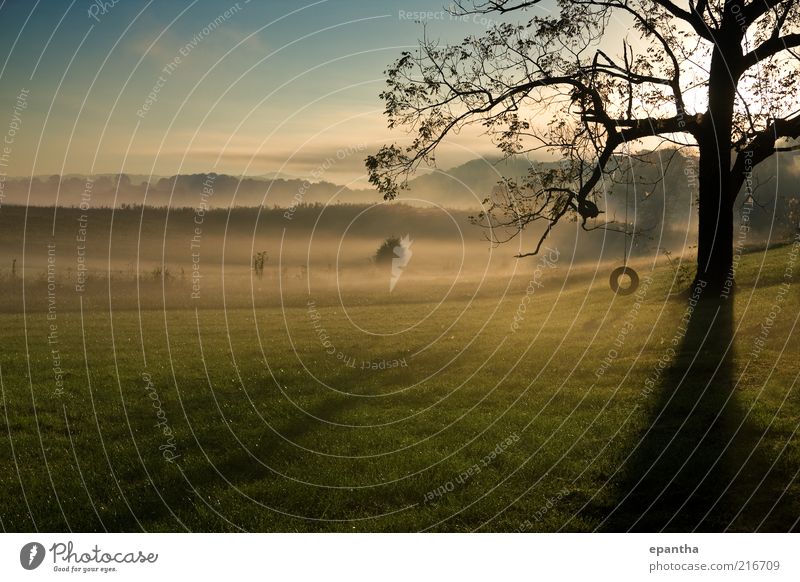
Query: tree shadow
[{"x": 701, "y": 464}]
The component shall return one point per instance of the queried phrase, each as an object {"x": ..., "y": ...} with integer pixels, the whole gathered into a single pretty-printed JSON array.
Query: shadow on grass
[{"x": 701, "y": 464}]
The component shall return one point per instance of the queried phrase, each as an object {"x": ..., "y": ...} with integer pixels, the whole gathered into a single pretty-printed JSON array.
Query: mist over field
[{"x": 127, "y": 228}]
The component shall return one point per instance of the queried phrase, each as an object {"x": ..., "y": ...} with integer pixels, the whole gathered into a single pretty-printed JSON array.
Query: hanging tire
[{"x": 618, "y": 274}]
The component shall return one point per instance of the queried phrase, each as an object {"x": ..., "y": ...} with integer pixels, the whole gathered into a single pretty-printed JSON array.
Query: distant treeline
[
  {"x": 359, "y": 220},
  {"x": 175, "y": 191}
]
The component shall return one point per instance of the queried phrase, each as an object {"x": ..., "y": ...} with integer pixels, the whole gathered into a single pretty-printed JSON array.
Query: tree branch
[
  {"x": 693, "y": 19},
  {"x": 769, "y": 48},
  {"x": 487, "y": 6},
  {"x": 758, "y": 8},
  {"x": 761, "y": 147}
]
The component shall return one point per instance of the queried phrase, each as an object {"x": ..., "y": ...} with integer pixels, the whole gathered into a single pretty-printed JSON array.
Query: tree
[
  {"x": 385, "y": 253},
  {"x": 591, "y": 79}
]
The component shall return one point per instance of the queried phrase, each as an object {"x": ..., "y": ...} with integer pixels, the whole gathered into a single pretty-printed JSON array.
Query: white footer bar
[{"x": 400, "y": 557}]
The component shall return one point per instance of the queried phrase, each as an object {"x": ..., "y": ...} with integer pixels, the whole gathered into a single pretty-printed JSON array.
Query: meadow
[{"x": 533, "y": 402}]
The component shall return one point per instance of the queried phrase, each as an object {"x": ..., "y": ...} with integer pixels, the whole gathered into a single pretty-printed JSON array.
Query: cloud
[{"x": 230, "y": 33}]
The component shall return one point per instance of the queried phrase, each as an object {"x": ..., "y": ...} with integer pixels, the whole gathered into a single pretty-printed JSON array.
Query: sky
[{"x": 184, "y": 86}]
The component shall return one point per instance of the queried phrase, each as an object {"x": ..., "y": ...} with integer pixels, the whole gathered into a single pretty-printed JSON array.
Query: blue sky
[{"x": 273, "y": 86}]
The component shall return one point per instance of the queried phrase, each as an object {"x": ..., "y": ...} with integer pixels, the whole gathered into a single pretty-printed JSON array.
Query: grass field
[{"x": 427, "y": 409}]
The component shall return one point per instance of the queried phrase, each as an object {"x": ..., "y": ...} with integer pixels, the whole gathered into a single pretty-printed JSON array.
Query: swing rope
[
  {"x": 627, "y": 203},
  {"x": 625, "y": 270}
]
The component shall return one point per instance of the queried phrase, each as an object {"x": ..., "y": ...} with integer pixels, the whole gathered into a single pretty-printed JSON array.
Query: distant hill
[
  {"x": 467, "y": 185},
  {"x": 461, "y": 187},
  {"x": 661, "y": 190}
]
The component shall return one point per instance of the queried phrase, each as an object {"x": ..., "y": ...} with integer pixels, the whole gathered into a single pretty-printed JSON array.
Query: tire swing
[{"x": 619, "y": 274}]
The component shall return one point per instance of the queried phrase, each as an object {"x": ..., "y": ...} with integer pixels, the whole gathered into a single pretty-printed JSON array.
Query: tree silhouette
[
  {"x": 589, "y": 79},
  {"x": 385, "y": 253}
]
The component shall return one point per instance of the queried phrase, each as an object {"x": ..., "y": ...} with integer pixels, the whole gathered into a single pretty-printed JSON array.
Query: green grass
[{"x": 274, "y": 434}]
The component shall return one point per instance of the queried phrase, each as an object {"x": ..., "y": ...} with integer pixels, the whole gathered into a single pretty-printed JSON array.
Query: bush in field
[
  {"x": 259, "y": 260},
  {"x": 160, "y": 273},
  {"x": 385, "y": 252}
]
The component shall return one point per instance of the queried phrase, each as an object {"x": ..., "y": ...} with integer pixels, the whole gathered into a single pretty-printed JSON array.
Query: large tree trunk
[
  {"x": 715, "y": 225},
  {"x": 716, "y": 196}
]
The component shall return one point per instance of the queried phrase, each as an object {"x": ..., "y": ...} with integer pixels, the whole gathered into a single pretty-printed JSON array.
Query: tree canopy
[{"x": 585, "y": 81}]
